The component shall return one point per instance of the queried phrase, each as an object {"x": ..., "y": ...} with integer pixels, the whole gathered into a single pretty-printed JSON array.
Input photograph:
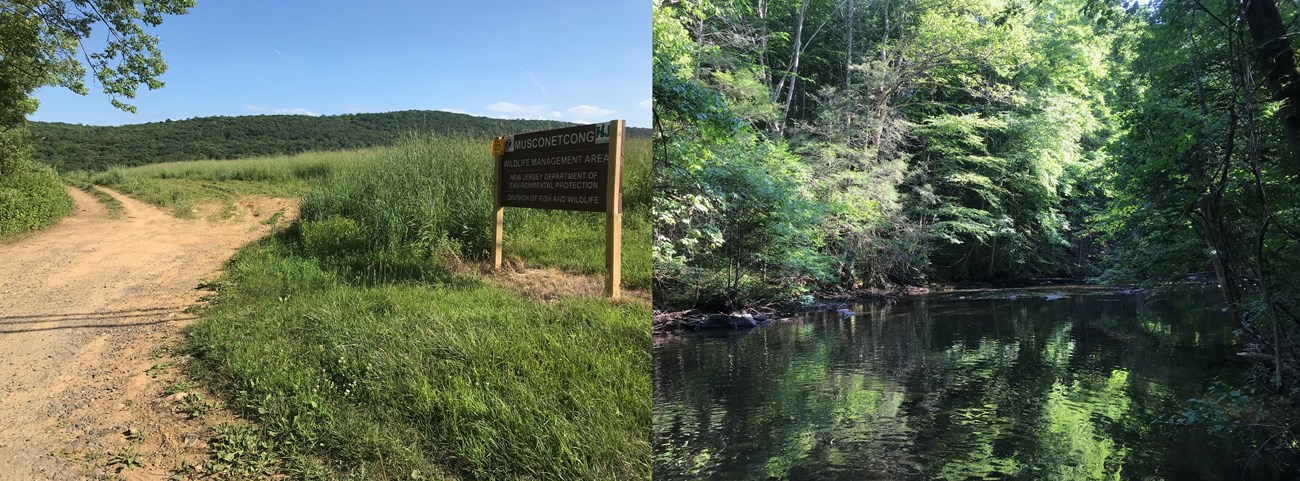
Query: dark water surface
[{"x": 958, "y": 386}]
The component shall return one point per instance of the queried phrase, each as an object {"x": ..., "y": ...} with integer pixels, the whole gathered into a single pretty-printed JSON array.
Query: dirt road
[{"x": 84, "y": 308}]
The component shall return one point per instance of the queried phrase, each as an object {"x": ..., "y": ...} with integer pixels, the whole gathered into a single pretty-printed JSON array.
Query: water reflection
[{"x": 958, "y": 386}]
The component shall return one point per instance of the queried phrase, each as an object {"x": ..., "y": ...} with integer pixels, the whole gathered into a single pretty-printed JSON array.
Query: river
[{"x": 1060, "y": 383}]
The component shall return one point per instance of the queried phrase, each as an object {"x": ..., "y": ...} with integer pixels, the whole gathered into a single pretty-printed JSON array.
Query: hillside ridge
[{"x": 68, "y": 146}]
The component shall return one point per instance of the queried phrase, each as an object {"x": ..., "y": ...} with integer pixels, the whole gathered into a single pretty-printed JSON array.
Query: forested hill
[{"x": 72, "y": 147}]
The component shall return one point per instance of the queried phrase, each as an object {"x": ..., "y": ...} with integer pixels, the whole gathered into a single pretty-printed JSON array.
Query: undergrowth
[{"x": 31, "y": 198}]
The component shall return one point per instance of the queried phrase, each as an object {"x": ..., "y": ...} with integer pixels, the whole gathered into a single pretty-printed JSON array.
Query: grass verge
[
  {"x": 31, "y": 198},
  {"x": 417, "y": 370}
]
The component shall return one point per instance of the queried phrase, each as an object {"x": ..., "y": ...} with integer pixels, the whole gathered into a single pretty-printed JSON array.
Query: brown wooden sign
[
  {"x": 574, "y": 168},
  {"x": 564, "y": 169}
]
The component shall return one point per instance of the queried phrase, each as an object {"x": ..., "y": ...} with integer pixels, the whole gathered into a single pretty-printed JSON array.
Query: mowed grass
[
  {"x": 31, "y": 198},
  {"x": 362, "y": 353}
]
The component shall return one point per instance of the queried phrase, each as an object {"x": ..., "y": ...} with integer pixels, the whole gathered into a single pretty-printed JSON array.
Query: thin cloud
[
  {"x": 646, "y": 104},
  {"x": 296, "y": 111},
  {"x": 588, "y": 113},
  {"x": 505, "y": 109},
  {"x": 277, "y": 52},
  {"x": 531, "y": 76}
]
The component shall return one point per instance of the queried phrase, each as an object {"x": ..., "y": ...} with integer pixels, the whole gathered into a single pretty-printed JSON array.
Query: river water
[{"x": 1006, "y": 384}]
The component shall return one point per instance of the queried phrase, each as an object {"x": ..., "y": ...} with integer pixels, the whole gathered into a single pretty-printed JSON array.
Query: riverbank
[{"x": 668, "y": 320}]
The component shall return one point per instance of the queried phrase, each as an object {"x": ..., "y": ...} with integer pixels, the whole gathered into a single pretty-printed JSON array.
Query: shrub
[{"x": 31, "y": 197}]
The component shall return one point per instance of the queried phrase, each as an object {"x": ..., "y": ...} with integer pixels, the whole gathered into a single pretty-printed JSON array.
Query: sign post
[
  {"x": 498, "y": 212},
  {"x": 614, "y": 213},
  {"x": 574, "y": 168}
]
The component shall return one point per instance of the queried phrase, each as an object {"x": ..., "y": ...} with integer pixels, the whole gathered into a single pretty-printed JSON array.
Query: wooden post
[
  {"x": 498, "y": 212},
  {"x": 613, "y": 213}
]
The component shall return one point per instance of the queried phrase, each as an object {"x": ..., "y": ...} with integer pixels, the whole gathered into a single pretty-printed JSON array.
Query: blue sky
[{"x": 571, "y": 60}]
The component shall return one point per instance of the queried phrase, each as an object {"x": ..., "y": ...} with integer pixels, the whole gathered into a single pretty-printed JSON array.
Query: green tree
[
  {"x": 732, "y": 225},
  {"x": 44, "y": 43}
]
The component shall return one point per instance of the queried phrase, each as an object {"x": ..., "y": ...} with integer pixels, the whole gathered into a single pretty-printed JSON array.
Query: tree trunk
[
  {"x": 1208, "y": 207},
  {"x": 793, "y": 74},
  {"x": 1261, "y": 255},
  {"x": 848, "y": 73},
  {"x": 1276, "y": 57},
  {"x": 1217, "y": 239},
  {"x": 762, "y": 39},
  {"x": 882, "y": 109}
]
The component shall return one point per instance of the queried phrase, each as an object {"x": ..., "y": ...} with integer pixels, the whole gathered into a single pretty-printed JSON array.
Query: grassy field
[
  {"x": 182, "y": 186},
  {"x": 362, "y": 350},
  {"x": 31, "y": 198},
  {"x": 429, "y": 194}
]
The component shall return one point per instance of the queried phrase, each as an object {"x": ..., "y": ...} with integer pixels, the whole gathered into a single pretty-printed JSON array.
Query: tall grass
[
  {"x": 31, "y": 198},
  {"x": 274, "y": 169},
  {"x": 435, "y": 196}
]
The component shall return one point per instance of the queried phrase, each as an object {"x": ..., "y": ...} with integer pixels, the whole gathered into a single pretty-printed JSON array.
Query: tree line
[{"x": 84, "y": 147}]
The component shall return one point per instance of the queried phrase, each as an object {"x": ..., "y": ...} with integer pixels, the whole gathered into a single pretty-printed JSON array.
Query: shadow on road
[{"x": 104, "y": 319}]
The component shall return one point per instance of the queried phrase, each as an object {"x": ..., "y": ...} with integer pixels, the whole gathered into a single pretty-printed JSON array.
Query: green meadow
[
  {"x": 423, "y": 193},
  {"x": 363, "y": 348},
  {"x": 183, "y": 186}
]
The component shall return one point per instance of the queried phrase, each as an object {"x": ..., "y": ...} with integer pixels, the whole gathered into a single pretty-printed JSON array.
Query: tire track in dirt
[{"x": 84, "y": 306}]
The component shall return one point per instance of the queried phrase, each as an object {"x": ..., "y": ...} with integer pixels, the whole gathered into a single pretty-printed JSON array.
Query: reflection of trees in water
[{"x": 1069, "y": 389}]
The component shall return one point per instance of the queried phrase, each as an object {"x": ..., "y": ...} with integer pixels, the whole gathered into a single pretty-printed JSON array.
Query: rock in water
[
  {"x": 743, "y": 321},
  {"x": 845, "y": 313},
  {"x": 1053, "y": 297},
  {"x": 717, "y": 321}
]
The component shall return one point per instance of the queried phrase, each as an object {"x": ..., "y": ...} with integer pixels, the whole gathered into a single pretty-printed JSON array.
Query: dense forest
[
  {"x": 84, "y": 147},
  {"x": 898, "y": 142},
  {"x": 804, "y": 146}
]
